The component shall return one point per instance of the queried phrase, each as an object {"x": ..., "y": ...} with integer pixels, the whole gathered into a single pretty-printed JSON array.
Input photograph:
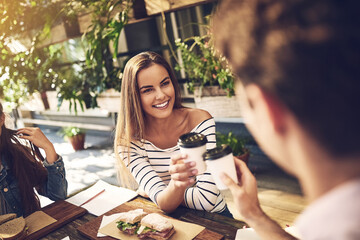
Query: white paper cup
[
  {"x": 194, "y": 146},
  {"x": 218, "y": 160}
]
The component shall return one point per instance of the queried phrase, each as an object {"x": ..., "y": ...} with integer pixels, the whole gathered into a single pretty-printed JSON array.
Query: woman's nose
[{"x": 160, "y": 94}]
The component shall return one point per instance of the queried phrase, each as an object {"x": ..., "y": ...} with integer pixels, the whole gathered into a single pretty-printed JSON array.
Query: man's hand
[
  {"x": 244, "y": 193},
  {"x": 247, "y": 203}
]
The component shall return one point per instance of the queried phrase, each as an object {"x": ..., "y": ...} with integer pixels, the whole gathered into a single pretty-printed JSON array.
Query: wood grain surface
[{"x": 63, "y": 212}]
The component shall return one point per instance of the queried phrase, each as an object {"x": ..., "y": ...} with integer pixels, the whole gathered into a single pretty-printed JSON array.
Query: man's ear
[{"x": 268, "y": 107}]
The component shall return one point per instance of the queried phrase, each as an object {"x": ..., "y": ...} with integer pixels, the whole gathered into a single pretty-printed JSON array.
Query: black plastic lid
[
  {"x": 192, "y": 140},
  {"x": 218, "y": 152}
]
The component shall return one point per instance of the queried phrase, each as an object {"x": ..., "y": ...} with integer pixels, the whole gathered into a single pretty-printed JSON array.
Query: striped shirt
[{"x": 150, "y": 167}]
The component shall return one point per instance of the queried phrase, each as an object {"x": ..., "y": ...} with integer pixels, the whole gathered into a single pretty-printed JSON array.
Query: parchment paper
[
  {"x": 183, "y": 230},
  {"x": 37, "y": 221}
]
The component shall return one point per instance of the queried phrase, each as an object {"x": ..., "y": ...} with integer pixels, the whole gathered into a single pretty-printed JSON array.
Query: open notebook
[{"x": 102, "y": 197}]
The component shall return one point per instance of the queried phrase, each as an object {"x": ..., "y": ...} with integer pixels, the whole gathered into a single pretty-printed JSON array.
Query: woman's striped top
[{"x": 150, "y": 167}]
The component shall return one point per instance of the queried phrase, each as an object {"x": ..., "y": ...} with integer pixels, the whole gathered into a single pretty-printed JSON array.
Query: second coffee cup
[
  {"x": 194, "y": 146},
  {"x": 218, "y": 160}
]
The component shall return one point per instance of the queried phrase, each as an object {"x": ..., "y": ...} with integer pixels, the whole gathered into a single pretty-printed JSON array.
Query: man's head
[{"x": 306, "y": 54}]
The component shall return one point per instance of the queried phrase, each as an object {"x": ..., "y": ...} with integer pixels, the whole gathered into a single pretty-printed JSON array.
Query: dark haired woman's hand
[
  {"x": 38, "y": 138},
  {"x": 181, "y": 171}
]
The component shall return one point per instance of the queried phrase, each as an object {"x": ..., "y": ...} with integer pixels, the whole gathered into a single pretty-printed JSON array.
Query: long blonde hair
[{"x": 131, "y": 121}]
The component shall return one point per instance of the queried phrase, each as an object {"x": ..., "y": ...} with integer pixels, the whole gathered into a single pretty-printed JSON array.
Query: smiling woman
[
  {"x": 147, "y": 132},
  {"x": 156, "y": 91}
]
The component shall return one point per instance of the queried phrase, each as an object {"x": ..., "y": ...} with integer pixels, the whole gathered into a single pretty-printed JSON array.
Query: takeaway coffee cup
[
  {"x": 194, "y": 145},
  {"x": 218, "y": 160}
]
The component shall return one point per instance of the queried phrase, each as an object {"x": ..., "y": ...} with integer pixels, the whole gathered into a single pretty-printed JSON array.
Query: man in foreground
[{"x": 298, "y": 68}]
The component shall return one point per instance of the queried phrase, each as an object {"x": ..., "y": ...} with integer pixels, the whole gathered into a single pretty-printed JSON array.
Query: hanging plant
[{"x": 108, "y": 20}]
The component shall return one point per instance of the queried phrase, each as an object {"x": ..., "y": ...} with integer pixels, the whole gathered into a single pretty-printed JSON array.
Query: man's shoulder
[{"x": 337, "y": 213}]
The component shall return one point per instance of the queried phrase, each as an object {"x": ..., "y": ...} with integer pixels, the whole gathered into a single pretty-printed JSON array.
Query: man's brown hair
[{"x": 306, "y": 53}]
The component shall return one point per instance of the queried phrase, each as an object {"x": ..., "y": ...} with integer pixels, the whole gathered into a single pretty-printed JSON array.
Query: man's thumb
[{"x": 227, "y": 180}]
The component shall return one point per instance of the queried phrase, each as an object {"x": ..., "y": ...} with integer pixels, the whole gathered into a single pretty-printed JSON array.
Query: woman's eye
[
  {"x": 146, "y": 90},
  {"x": 165, "y": 83}
]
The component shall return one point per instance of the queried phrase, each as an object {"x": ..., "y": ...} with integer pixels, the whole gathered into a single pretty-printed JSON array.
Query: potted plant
[
  {"x": 236, "y": 143},
  {"x": 209, "y": 76},
  {"x": 203, "y": 66},
  {"x": 75, "y": 135}
]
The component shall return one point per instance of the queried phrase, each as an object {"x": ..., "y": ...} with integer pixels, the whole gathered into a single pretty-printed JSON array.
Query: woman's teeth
[{"x": 161, "y": 105}]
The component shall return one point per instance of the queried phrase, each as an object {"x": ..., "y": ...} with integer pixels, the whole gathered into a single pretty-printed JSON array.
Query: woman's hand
[
  {"x": 34, "y": 135},
  {"x": 182, "y": 176},
  {"x": 38, "y": 138},
  {"x": 245, "y": 192},
  {"x": 181, "y": 172}
]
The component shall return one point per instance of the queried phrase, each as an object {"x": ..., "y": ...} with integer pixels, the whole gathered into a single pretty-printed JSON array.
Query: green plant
[
  {"x": 23, "y": 73},
  {"x": 35, "y": 18},
  {"x": 24, "y": 67},
  {"x": 203, "y": 65},
  {"x": 99, "y": 71},
  {"x": 108, "y": 20},
  {"x": 236, "y": 143},
  {"x": 67, "y": 132}
]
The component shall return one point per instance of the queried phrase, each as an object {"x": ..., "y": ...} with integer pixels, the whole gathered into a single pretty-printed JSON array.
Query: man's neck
[
  {"x": 320, "y": 171},
  {"x": 317, "y": 170}
]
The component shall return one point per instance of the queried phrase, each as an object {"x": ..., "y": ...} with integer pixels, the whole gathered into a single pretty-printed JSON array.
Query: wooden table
[{"x": 212, "y": 221}]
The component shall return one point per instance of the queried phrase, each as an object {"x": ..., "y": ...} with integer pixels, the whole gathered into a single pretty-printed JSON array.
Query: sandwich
[
  {"x": 11, "y": 227},
  {"x": 6, "y": 217},
  {"x": 155, "y": 226},
  {"x": 129, "y": 222}
]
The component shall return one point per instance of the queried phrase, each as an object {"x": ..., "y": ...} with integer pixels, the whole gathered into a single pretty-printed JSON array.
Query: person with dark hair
[
  {"x": 23, "y": 168},
  {"x": 297, "y": 66},
  {"x": 151, "y": 119}
]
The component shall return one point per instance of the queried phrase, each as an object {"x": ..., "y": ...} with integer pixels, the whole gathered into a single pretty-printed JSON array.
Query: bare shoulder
[{"x": 197, "y": 116}]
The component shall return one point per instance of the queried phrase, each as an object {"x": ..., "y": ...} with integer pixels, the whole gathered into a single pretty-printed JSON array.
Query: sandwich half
[
  {"x": 13, "y": 228},
  {"x": 6, "y": 217},
  {"x": 155, "y": 226},
  {"x": 129, "y": 222}
]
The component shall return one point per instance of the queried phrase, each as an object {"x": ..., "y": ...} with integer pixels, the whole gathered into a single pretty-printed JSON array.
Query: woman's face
[{"x": 156, "y": 90}]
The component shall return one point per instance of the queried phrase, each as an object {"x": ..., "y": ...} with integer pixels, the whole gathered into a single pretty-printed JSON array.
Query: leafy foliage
[
  {"x": 24, "y": 72},
  {"x": 104, "y": 30},
  {"x": 19, "y": 16},
  {"x": 237, "y": 144},
  {"x": 98, "y": 73},
  {"x": 202, "y": 64},
  {"x": 27, "y": 72},
  {"x": 71, "y": 131}
]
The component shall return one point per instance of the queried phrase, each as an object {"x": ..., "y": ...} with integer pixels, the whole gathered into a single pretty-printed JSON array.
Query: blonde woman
[{"x": 151, "y": 119}]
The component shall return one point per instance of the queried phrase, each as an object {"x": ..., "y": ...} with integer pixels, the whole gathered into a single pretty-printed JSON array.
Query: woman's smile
[{"x": 162, "y": 105}]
